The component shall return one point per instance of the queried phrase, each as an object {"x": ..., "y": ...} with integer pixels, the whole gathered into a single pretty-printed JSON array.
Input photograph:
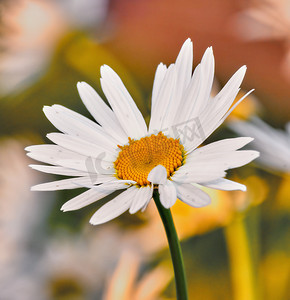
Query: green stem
[{"x": 174, "y": 246}]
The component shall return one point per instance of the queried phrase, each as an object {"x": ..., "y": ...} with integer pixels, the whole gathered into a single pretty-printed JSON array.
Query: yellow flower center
[{"x": 138, "y": 158}]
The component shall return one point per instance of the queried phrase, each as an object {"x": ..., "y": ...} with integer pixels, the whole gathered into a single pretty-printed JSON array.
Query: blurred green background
[{"x": 236, "y": 248}]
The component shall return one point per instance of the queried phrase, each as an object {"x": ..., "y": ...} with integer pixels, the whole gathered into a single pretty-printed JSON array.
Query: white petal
[
  {"x": 224, "y": 97},
  {"x": 64, "y": 184},
  {"x": 114, "y": 208},
  {"x": 223, "y": 145},
  {"x": 56, "y": 155},
  {"x": 114, "y": 183},
  {"x": 77, "y": 125},
  {"x": 183, "y": 71},
  {"x": 167, "y": 193},
  {"x": 192, "y": 195},
  {"x": 184, "y": 65},
  {"x": 228, "y": 160},
  {"x": 168, "y": 111},
  {"x": 196, "y": 97},
  {"x": 199, "y": 172},
  {"x": 164, "y": 97},
  {"x": 51, "y": 153},
  {"x": 158, "y": 79},
  {"x": 88, "y": 197},
  {"x": 235, "y": 105},
  {"x": 209, "y": 166},
  {"x": 157, "y": 175},
  {"x": 88, "y": 164},
  {"x": 184, "y": 112},
  {"x": 241, "y": 158},
  {"x": 122, "y": 104},
  {"x": 101, "y": 112},
  {"x": 169, "y": 89},
  {"x": 225, "y": 185},
  {"x": 206, "y": 74},
  {"x": 58, "y": 170},
  {"x": 216, "y": 109},
  {"x": 80, "y": 146},
  {"x": 143, "y": 195},
  {"x": 214, "y": 116}
]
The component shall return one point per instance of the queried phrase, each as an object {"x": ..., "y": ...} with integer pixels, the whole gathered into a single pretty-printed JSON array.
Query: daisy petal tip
[
  {"x": 82, "y": 85},
  {"x": 208, "y": 52},
  {"x": 105, "y": 69},
  {"x": 66, "y": 208},
  {"x": 246, "y": 139},
  {"x": 243, "y": 69},
  {"x": 206, "y": 203},
  {"x": 243, "y": 188},
  {"x": 188, "y": 43},
  {"x": 256, "y": 154},
  {"x": 34, "y": 188},
  {"x": 46, "y": 107},
  {"x": 157, "y": 175},
  {"x": 93, "y": 221},
  {"x": 167, "y": 205},
  {"x": 132, "y": 211},
  {"x": 29, "y": 154},
  {"x": 47, "y": 110},
  {"x": 48, "y": 135}
]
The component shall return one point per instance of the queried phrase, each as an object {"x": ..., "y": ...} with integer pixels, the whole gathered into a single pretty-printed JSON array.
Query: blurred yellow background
[{"x": 236, "y": 248}]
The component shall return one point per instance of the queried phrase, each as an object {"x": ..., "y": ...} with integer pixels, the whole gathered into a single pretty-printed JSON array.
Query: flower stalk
[{"x": 175, "y": 249}]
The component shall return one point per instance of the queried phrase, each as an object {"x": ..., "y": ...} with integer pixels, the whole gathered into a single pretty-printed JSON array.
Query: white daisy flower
[
  {"x": 118, "y": 151},
  {"x": 274, "y": 144}
]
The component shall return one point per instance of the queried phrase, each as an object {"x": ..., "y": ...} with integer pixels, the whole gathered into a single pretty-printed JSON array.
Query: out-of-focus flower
[
  {"x": 31, "y": 30},
  {"x": 266, "y": 20},
  {"x": 274, "y": 144},
  {"x": 76, "y": 266},
  {"x": 130, "y": 156},
  {"x": 93, "y": 12},
  {"x": 16, "y": 199},
  {"x": 21, "y": 217},
  {"x": 123, "y": 284}
]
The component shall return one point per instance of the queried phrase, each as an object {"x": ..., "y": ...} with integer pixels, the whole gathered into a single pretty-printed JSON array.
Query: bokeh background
[{"x": 236, "y": 248}]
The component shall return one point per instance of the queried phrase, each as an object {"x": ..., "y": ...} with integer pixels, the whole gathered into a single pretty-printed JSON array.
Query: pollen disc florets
[{"x": 138, "y": 158}]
